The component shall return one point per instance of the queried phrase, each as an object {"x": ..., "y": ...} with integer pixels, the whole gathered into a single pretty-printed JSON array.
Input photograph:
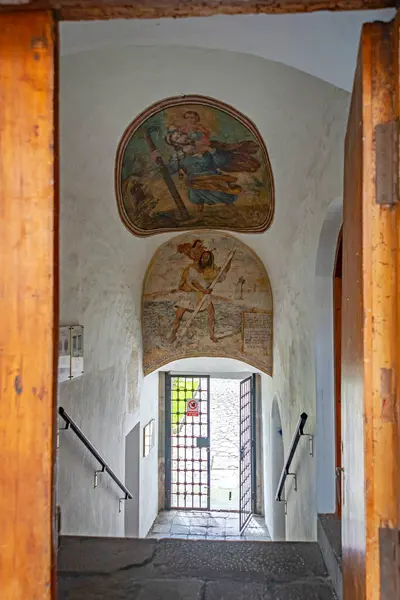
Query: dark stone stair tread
[
  {"x": 103, "y": 555},
  {"x": 191, "y": 589},
  {"x": 130, "y": 569},
  {"x": 278, "y": 561}
]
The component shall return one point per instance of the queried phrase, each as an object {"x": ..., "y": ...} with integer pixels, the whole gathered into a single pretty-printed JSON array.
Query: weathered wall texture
[
  {"x": 302, "y": 121},
  {"x": 96, "y": 293},
  {"x": 149, "y": 464},
  {"x": 241, "y": 306}
]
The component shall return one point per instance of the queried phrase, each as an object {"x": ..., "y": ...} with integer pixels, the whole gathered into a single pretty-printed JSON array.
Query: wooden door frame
[
  {"x": 79, "y": 10},
  {"x": 370, "y": 332},
  {"x": 381, "y": 305},
  {"x": 29, "y": 218},
  {"x": 29, "y": 251}
]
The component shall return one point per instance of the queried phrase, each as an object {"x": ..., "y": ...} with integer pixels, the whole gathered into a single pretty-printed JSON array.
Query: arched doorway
[
  {"x": 277, "y": 462},
  {"x": 211, "y": 464},
  {"x": 325, "y": 358}
]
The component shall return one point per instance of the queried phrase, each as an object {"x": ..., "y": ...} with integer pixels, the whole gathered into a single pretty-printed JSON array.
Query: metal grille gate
[
  {"x": 187, "y": 440},
  {"x": 247, "y": 455}
]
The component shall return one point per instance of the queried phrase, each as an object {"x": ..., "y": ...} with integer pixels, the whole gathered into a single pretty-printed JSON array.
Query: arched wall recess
[
  {"x": 193, "y": 162},
  {"x": 210, "y": 296},
  {"x": 277, "y": 464},
  {"x": 324, "y": 357}
]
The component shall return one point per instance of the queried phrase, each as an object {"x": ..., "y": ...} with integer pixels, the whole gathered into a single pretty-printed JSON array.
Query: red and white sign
[{"x": 192, "y": 408}]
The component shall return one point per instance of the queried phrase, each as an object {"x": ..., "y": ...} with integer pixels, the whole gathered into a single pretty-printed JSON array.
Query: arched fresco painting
[
  {"x": 206, "y": 295},
  {"x": 193, "y": 163}
]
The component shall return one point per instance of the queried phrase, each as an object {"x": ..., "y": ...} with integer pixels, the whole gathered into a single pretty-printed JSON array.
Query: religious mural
[
  {"x": 206, "y": 296},
  {"x": 193, "y": 163}
]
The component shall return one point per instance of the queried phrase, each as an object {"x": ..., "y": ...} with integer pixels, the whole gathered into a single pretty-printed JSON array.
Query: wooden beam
[
  {"x": 75, "y": 10},
  {"x": 28, "y": 305}
]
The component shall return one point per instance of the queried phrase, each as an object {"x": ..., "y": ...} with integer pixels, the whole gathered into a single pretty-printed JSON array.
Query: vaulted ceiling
[{"x": 323, "y": 44}]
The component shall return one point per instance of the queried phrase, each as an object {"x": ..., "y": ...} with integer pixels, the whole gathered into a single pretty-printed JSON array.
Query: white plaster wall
[
  {"x": 302, "y": 120},
  {"x": 132, "y": 481},
  {"x": 222, "y": 368},
  {"x": 268, "y": 393},
  {"x": 277, "y": 461},
  {"x": 149, "y": 464},
  {"x": 96, "y": 293}
]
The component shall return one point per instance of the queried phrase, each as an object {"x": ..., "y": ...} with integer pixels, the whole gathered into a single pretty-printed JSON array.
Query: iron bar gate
[
  {"x": 187, "y": 442},
  {"x": 247, "y": 472}
]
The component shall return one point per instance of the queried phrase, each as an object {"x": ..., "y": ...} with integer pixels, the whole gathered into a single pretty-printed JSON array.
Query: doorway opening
[
  {"x": 210, "y": 458},
  {"x": 210, "y": 444},
  {"x": 224, "y": 444}
]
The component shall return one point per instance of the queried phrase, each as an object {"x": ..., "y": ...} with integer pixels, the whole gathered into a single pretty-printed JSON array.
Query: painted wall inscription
[
  {"x": 192, "y": 163},
  {"x": 206, "y": 296},
  {"x": 257, "y": 333}
]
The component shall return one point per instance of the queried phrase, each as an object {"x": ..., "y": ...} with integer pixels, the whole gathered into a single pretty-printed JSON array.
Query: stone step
[
  {"x": 330, "y": 541},
  {"x": 145, "y": 569}
]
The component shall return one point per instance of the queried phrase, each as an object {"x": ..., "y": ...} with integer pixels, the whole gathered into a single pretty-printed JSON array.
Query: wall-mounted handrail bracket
[
  {"x": 122, "y": 500},
  {"x": 95, "y": 476},
  {"x": 58, "y": 433},
  {"x": 295, "y": 480},
  {"x": 299, "y": 431},
  {"x": 285, "y": 503},
  {"x": 311, "y": 442},
  {"x": 70, "y": 423}
]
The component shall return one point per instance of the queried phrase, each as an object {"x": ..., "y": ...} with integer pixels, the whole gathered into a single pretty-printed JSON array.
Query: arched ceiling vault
[{"x": 322, "y": 44}]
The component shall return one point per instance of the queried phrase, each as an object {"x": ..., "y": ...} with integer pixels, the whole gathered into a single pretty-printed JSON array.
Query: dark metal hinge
[
  {"x": 387, "y": 163},
  {"x": 389, "y": 547}
]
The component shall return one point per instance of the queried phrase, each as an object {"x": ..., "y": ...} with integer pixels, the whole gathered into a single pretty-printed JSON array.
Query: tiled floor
[{"x": 213, "y": 525}]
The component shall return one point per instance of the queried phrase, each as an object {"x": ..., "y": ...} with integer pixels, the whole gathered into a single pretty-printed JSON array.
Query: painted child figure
[{"x": 198, "y": 133}]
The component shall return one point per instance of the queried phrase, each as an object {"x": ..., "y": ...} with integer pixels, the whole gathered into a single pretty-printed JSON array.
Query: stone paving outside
[
  {"x": 224, "y": 442},
  {"x": 206, "y": 525}
]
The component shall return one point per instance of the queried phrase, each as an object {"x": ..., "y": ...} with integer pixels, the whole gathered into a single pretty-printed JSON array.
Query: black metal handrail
[
  {"x": 104, "y": 466},
  {"x": 299, "y": 431}
]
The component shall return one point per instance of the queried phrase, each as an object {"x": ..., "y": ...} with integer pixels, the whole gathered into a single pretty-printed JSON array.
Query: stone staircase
[{"x": 174, "y": 569}]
